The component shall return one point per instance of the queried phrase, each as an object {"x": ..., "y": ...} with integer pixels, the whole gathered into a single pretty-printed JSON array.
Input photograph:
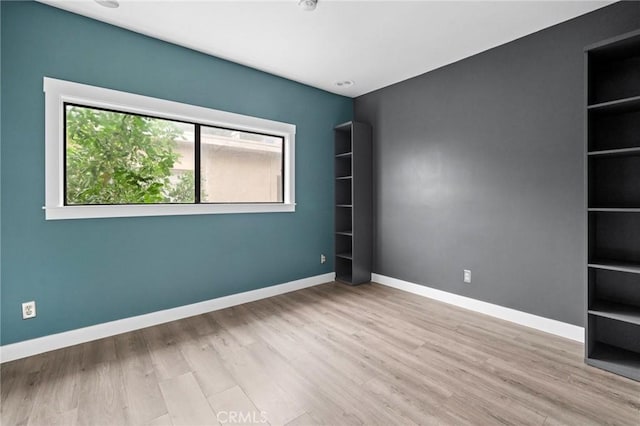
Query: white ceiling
[{"x": 373, "y": 43}]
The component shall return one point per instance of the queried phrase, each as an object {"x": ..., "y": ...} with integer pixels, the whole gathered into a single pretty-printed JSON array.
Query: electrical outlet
[
  {"x": 323, "y": 258},
  {"x": 28, "y": 310},
  {"x": 467, "y": 276}
]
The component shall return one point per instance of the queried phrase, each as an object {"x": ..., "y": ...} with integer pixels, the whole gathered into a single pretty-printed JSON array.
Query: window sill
[{"x": 93, "y": 212}]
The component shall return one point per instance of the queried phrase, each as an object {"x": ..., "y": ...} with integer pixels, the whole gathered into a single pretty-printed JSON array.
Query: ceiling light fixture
[
  {"x": 111, "y": 4},
  {"x": 345, "y": 83},
  {"x": 308, "y": 5}
]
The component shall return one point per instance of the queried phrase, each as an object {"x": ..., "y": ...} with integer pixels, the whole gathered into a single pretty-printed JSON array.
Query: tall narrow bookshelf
[
  {"x": 612, "y": 340},
  {"x": 353, "y": 203}
]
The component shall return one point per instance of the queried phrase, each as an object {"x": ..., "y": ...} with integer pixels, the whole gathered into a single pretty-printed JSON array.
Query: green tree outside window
[{"x": 119, "y": 158}]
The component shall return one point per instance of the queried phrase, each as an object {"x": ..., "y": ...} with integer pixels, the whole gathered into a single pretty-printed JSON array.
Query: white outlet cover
[
  {"x": 467, "y": 276},
  {"x": 29, "y": 310}
]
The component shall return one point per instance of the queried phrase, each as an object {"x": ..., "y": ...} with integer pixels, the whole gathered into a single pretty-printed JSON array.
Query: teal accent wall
[{"x": 86, "y": 272}]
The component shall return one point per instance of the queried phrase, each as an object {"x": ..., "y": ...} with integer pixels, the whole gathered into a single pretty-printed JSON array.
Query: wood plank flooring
[{"x": 331, "y": 354}]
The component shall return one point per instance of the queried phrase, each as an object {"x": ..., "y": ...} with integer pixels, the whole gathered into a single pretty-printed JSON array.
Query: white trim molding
[
  {"x": 39, "y": 345},
  {"x": 58, "y": 92},
  {"x": 547, "y": 325}
]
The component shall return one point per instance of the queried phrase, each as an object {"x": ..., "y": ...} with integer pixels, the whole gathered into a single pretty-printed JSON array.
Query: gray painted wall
[{"x": 479, "y": 165}]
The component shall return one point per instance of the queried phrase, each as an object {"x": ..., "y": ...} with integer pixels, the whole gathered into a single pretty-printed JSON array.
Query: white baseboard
[
  {"x": 547, "y": 325},
  {"x": 81, "y": 335},
  {"x": 73, "y": 337}
]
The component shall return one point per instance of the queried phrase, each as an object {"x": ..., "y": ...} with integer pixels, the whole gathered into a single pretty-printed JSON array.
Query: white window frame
[{"x": 57, "y": 92}]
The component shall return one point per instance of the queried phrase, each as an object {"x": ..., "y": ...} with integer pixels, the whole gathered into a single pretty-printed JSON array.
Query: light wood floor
[{"x": 332, "y": 355}]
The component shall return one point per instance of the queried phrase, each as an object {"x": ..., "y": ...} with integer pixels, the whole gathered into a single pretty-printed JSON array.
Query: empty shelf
[
  {"x": 619, "y": 105},
  {"x": 615, "y": 152},
  {"x": 347, "y": 233},
  {"x": 616, "y": 311},
  {"x": 348, "y": 256},
  {"x": 612, "y": 265},
  {"x": 615, "y": 209},
  {"x": 617, "y": 360},
  {"x": 344, "y": 278}
]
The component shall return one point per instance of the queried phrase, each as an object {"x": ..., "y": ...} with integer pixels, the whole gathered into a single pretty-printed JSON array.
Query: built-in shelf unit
[
  {"x": 353, "y": 203},
  {"x": 612, "y": 340}
]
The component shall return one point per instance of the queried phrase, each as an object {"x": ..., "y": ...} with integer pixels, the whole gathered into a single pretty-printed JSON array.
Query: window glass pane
[
  {"x": 240, "y": 167},
  {"x": 119, "y": 158}
]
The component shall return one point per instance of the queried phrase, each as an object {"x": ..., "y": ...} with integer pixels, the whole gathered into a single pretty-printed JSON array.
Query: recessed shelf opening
[
  {"x": 614, "y": 181},
  {"x": 610, "y": 131},
  {"x": 342, "y": 142},
  {"x": 614, "y": 294},
  {"x": 343, "y": 192},
  {"x": 614, "y": 238},
  {"x": 614, "y": 76}
]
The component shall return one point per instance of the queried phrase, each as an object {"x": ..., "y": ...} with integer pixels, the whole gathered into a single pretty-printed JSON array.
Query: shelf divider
[
  {"x": 344, "y": 154},
  {"x": 612, "y": 265},
  {"x": 618, "y": 105},
  {"x": 616, "y": 311},
  {"x": 614, "y": 152},
  {"x": 615, "y": 209}
]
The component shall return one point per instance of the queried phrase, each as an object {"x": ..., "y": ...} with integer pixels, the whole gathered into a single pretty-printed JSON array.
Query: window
[
  {"x": 115, "y": 154},
  {"x": 121, "y": 158},
  {"x": 240, "y": 167}
]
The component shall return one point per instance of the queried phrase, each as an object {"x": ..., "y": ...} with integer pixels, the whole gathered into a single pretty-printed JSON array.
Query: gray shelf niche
[
  {"x": 353, "y": 203},
  {"x": 612, "y": 340}
]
